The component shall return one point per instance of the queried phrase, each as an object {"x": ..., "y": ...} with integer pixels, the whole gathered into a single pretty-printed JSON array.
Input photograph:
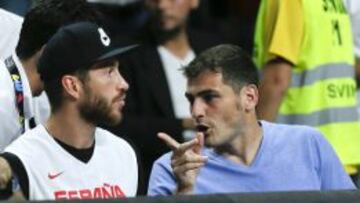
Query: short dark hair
[
  {"x": 231, "y": 61},
  {"x": 42, "y": 21}
]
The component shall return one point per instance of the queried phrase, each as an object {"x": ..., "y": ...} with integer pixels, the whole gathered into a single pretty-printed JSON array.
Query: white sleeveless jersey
[{"x": 55, "y": 174}]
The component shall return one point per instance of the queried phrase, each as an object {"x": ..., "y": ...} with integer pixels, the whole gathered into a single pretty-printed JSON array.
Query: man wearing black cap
[{"x": 69, "y": 157}]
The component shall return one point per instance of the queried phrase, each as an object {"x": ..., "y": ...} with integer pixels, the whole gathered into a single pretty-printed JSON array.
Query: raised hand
[{"x": 186, "y": 161}]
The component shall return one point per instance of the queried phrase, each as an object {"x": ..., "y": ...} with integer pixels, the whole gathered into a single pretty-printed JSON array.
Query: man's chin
[
  {"x": 169, "y": 28},
  {"x": 37, "y": 93},
  {"x": 166, "y": 32},
  {"x": 115, "y": 120},
  {"x": 110, "y": 121},
  {"x": 208, "y": 142}
]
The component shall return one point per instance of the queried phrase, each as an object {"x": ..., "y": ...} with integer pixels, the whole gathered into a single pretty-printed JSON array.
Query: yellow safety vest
[{"x": 323, "y": 90}]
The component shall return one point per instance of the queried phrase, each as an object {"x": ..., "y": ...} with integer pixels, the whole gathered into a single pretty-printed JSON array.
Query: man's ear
[
  {"x": 195, "y": 4},
  {"x": 73, "y": 87},
  {"x": 250, "y": 95}
]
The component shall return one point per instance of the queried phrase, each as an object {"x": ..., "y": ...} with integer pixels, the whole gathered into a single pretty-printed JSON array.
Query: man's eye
[
  {"x": 190, "y": 99},
  {"x": 209, "y": 98}
]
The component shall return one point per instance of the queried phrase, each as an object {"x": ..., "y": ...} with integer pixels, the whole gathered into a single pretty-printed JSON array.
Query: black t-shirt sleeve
[{"x": 18, "y": 169}]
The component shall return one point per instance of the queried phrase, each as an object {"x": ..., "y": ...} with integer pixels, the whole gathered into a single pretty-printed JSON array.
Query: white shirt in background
[
  {"x": 176, "y": 80},
  {"x": 10, "y": 26}
]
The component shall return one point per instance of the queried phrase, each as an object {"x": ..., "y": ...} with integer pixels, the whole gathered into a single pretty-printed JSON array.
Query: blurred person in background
[
  {"x": 9, "y": 36},
  {"x": 305, "y": 53}
]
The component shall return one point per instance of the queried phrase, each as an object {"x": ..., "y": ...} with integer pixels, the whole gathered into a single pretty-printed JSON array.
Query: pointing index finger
[
  {"x": 186, "y": 146},
  {"x": 176, "y": 147},
  {"x": 169, "y": 141}
]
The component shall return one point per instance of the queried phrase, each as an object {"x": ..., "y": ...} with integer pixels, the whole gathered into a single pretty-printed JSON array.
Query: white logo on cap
[{"x": 103, "y": 37}]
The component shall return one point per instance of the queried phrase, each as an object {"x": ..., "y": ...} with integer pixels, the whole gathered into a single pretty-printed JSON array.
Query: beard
[
  {"x": 161, "y": 34},
  {"x": 97, "y": 110}
]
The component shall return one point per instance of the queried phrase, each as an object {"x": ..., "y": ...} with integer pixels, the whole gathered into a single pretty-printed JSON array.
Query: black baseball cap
[{"x": 76, "y": 46}]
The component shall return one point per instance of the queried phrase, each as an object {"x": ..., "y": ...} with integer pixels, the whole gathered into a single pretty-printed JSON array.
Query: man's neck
[
  {"x": 244, "y": 147},
  {"x": 70, "y": 129},
  {"x": 178, "y": 45}
]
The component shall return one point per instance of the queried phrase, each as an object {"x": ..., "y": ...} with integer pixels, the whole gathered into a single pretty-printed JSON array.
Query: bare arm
[{"x": 273, "y": 86}]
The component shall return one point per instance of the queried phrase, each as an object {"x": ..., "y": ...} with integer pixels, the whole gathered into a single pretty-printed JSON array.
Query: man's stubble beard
[
  {"x": 162, "y": 35},
  {"x": 96, "y": 110}
]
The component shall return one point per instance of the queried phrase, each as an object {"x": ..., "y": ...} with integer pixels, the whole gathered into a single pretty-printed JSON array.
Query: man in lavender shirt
[{"x": 242, "y": 154}]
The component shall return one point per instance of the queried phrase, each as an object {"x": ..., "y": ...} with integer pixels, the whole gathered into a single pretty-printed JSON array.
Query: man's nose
[
  {"x": 198, "y": 109},
  {"x": 122, "y": 83}
]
